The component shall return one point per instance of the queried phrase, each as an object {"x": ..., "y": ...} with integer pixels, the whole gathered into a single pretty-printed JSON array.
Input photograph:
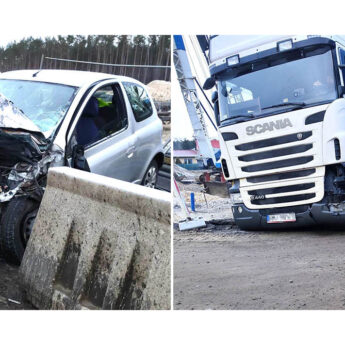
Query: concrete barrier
[{"x": 98, "y": 243}]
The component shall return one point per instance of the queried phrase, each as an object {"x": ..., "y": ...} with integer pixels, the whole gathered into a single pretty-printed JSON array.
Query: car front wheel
[{"x": 16, "y": 226}]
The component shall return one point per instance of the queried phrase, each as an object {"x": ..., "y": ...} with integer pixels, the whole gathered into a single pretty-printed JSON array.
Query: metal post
[
  {"x": 42, "y": 59},
  {"x": 192, "y": 202}
]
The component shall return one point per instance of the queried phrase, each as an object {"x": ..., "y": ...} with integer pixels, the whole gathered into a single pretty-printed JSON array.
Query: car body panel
[{"x": 125, "y": 154}]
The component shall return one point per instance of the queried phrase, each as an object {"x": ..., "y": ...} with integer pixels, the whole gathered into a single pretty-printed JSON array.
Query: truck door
[{"x": 105, "y": 134}]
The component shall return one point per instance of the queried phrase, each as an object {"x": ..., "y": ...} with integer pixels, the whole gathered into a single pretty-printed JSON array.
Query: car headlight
[{"x": 236, "y": 198}]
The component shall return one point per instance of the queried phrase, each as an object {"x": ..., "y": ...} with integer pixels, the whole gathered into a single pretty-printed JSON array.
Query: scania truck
[{"x": 280, "y": 112}]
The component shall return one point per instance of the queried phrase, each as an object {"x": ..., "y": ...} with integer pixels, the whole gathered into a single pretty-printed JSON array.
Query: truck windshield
[
  {"x": 298, "y": 79},
  {"x": 45, "y": 104}
]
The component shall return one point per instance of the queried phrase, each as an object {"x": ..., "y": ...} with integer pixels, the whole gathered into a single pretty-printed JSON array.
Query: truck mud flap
[{"x": 98, "y": 243}]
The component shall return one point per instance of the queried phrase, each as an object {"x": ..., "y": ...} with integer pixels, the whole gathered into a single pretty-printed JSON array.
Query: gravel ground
[
  {"x": 206, "y": 206},
  {"x": 11, "y": 297},
  {"x": 225, "y": 268}
]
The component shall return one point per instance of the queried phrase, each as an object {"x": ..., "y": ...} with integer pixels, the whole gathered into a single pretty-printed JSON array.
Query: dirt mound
[{"x": 160, "y": 90}]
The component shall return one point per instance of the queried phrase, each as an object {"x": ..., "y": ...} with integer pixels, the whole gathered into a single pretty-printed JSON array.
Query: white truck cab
[{"x": 280, "y": 112}]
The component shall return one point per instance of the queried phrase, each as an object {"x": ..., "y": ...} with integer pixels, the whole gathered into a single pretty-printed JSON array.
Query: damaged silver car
[{"x": 91, "y": 121}]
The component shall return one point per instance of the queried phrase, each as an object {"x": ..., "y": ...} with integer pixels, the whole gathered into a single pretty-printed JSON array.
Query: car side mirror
[
  {"x": 209, "y": 83},
  {"x": 78, "y": 158}
]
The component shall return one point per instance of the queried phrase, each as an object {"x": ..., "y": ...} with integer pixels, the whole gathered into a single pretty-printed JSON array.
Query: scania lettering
[
  {"x": 280, "y": 112},
  {"x": 268, "y": 126}
]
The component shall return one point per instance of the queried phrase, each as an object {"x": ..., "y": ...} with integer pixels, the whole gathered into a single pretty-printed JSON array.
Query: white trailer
[{"x": 280, "y": 112}]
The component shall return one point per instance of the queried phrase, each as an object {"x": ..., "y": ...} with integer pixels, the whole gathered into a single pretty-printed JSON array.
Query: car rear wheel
[
  {"x": 16, "y": 227},
  {"x": 150, "y": 178}
]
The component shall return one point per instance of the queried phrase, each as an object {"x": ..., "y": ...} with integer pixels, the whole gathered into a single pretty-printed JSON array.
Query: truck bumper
[{"x": 317, "y": 214}]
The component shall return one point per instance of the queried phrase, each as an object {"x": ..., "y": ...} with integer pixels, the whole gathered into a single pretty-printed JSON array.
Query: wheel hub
[{"x": 151, "y": 177}]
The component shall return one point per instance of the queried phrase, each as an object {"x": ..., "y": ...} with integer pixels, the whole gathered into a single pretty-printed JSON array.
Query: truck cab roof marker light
[
  {"x": 233, "y": 60},
  {"x": 284, "y": 45}
]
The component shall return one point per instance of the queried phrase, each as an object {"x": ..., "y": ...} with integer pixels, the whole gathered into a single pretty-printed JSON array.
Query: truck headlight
[{"x": 236, "y": 198}]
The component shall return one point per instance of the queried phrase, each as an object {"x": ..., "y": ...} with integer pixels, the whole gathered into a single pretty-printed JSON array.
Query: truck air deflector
[
  {"x": 229, "y": 136},
  {"x": 314, "y": 118},
  {"x": 272, "y": 53}
]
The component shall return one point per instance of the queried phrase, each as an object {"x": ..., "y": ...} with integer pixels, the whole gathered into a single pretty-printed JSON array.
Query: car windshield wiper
[{"x": 295, "y": 104}]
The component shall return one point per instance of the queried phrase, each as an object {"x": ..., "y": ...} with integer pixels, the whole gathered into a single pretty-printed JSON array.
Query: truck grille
[
  {"x": 283, "y": 189},
  {"x": 285, "y": 139},
  {"x": 283, "y": 153}
]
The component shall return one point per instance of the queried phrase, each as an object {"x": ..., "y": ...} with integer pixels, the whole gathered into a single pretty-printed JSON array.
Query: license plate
[{"x": 281, "y": 218}]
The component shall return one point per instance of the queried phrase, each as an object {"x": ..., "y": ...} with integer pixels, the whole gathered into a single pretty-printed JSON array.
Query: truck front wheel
[{"x": 16, "y": 226}]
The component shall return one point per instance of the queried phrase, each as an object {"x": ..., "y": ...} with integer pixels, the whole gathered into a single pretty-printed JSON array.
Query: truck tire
[
  {"x": 16, "y": 226},
  {"x": 150, "y": 177}
]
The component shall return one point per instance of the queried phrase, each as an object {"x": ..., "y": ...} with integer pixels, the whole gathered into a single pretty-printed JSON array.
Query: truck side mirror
[
  {"x": 209, "y": 83},
  {"x": 214, "y": 97},
  {"x": 216, "y": 111},
  {"x": 78, "y": 159}
]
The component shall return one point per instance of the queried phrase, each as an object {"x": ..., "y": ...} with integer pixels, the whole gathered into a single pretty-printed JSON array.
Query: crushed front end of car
[{"x": 25, "y": 156}]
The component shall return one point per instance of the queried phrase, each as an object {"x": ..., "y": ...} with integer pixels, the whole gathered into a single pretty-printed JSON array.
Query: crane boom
[{"x": 194, "y": 107}]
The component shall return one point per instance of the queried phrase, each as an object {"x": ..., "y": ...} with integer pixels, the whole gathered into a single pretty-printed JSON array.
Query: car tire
[
  {"x": 16, "y": 225},
  {"x": 150, "y": 177}
]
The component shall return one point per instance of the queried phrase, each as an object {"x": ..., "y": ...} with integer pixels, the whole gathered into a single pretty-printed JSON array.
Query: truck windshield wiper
[
  {"x": 295, "y": 104},
  {"x": 246, "y": 116}
]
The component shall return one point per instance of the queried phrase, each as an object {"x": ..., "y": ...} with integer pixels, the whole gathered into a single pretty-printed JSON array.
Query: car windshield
[
  {"x": 295, "y": 80},
  {"x": 45, "y": 104}
]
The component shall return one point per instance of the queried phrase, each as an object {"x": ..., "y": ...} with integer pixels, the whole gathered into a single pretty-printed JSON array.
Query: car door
[
  {"x": 147, "y": 125},
  {"x": 106, "y": 134}
]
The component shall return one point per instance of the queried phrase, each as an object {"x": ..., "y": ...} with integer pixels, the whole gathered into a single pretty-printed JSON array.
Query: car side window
[
  {"x": 104, "y": 114},
  {"x": 139, "y": 100}
]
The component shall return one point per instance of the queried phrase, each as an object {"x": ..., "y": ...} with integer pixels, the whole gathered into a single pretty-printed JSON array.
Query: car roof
[{"x": 65, "y": 77}]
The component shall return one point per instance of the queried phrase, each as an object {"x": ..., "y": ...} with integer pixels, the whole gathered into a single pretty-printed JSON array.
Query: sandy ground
[
  {"x": 11, "y": 297},
  {"x": 222, "y": 267},
  {"x": 225, "y": 268}
]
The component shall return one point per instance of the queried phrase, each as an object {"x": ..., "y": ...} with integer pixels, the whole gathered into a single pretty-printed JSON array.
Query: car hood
[{"x": 12, "y": 117}]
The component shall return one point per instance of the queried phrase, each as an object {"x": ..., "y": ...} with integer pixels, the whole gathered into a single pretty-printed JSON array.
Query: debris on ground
[
  {"x": 209, "y": 207},
  {"x": 11, "y": 295},
  {"x": 182, "y": 174}
]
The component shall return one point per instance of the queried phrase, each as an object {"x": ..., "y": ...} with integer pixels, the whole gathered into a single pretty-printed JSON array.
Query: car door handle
[{"x": 130, "y": 151}]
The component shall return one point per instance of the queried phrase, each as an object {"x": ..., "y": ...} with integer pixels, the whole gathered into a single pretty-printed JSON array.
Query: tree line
[
  {"x": 184, "y": 144},
  {"x": 111, "y": 49}
]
